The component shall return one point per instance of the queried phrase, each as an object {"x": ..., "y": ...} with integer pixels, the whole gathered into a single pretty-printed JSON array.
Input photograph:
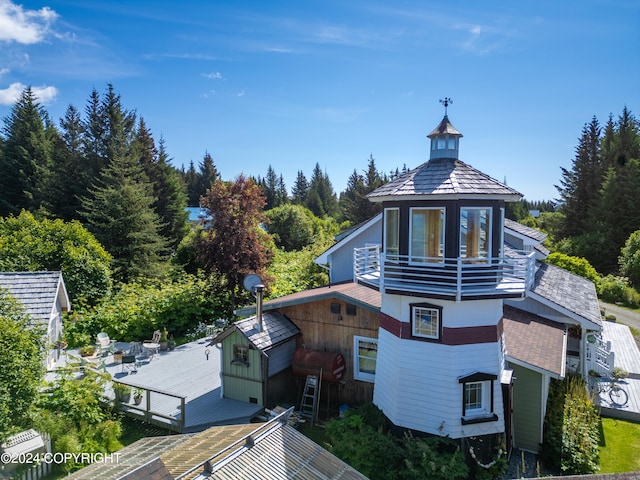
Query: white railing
[
  {"x": 451, "y": 277},
  {"x": 600, "y": 358}
]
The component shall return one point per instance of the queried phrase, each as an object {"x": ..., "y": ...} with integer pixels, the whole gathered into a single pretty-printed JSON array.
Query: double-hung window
[
  {"x": 475, "y": 233},
  {"x": 427, "y": 235},
  {"x": 365, "y": 352},
  {"x": 477, "y": 398}
]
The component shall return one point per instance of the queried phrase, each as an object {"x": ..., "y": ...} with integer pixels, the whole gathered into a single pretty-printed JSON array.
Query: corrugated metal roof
[
  {"x": 278, "y": 452},
  {"x": 36, "y": 291},
  {"x": 447, "y": 178}
]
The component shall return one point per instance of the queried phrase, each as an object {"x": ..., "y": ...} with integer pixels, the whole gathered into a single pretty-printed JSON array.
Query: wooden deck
[
  {"x": 627, "y": 356},
  {"x": 186, "y": 372}
]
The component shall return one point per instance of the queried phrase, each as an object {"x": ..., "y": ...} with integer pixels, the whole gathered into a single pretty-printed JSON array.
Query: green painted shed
[{"x": 254, "y": 353}]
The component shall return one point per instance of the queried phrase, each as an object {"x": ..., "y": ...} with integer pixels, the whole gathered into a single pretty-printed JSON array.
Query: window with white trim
[
  {"x": 477, "y": 398},
  {"x": 426, "y": 321},
  {"x": 427, "y": 235},
  {"x": 365, "y": 352}
]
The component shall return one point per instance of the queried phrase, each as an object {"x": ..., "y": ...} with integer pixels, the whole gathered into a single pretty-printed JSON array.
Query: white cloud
[
  {"x": 24, "y": 26},
  {"x": 213, "y": 75},
  {"x": 44, "y": 95},
  {"x": 4, "y": 71}
]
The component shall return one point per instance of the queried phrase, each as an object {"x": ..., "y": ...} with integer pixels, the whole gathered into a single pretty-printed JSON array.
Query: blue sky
[{"x": 295, "y": 83}]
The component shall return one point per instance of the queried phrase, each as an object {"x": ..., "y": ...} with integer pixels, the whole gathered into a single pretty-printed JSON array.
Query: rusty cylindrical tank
[{"x": 310, "y": 362}]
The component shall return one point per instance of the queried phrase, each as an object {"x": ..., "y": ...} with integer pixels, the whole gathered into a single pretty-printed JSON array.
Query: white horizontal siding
[
  {"x": 472, "y": 313},
  {"x": 417, "y": 384}
]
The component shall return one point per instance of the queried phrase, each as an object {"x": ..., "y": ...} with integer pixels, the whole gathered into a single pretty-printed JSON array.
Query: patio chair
[
  {"x": 152, "y": 346},
  {"x": 129, "y": 363},
  {"x": 105, "y": 346}
]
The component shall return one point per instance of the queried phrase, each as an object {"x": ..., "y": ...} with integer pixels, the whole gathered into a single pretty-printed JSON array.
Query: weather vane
[{"x": 446, "y": 102}]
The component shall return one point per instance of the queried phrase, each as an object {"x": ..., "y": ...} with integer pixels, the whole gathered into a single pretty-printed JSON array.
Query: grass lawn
[{"x": 619, "y": 446}]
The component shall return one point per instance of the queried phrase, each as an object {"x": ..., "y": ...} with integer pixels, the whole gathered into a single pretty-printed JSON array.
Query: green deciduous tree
[
  {"x": 29, "y": 244},
  {"x": 292, "y": 226},
  {"x": 21, "y": 347},
  {"x": 630, "y": 258}
]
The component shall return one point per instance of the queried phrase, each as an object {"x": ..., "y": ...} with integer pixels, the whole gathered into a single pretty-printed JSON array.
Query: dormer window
[{"x": 427, "y": 235}]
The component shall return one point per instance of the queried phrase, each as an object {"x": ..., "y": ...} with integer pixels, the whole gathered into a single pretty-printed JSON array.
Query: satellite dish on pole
[{"x": 253, "y": 283}]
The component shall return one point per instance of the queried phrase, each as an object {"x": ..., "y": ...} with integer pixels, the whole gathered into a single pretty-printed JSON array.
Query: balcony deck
[{"x": 452, "y": 279}]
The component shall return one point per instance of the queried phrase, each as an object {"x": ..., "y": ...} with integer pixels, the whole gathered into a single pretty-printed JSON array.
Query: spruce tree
[
  {"x": 321, "y": 199},
  {"x": 26, "y": 160},
  {"x": 119, "y": 211},
  {"x": 580, "y": 186},
  {"x": 300, "y": 189}
]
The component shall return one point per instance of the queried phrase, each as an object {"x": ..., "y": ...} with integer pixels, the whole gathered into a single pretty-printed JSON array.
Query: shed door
[{"x": 527, "y": 408}]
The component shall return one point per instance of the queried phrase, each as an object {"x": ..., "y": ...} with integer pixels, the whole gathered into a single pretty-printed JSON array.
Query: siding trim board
[{"x": 450, "y": 336}]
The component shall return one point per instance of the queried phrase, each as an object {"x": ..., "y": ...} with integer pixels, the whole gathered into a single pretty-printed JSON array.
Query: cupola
[{"x": 445, "y": 139}]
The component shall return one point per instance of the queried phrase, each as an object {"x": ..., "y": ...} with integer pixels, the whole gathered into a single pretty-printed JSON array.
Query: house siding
[
  {"x": 341, "y": 261},
  {"x": 280, "y": 357},
  {"x": 527, "y": 408},
  {"x": 418, "y": 388},
  {"x": 330, "y": 332}
]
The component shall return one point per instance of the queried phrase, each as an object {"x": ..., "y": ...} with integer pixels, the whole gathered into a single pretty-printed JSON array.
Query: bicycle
[{"x": 617, "y": 394}]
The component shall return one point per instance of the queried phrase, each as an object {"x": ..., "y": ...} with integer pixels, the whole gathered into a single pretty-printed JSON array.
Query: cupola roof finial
[{"x": 446, "y": 102}]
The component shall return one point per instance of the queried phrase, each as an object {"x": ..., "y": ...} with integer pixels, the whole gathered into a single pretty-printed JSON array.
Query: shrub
[
  {"x": 363, "y": 439},
  {"x": 612, "y": 288},
  {"x": 571, "y": 433},
  {"x": 578, "y": 265},
  {"x": 136, "y": 310}
]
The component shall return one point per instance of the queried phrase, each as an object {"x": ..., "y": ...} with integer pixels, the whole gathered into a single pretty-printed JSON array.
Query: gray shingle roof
[
  {"x": 445, "y": 127},
  {"x": 529, "y": 232},
  {"x": 447, "y": 178},
  {"x": 36, "y": 291},
  {"x": 571, "y": 292},
  {"x": 276, "y": 328}
]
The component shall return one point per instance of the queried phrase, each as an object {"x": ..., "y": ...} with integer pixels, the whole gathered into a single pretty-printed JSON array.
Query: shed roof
[
  {"x": 570, "y": 293},
  {"x": 350, "y": 292},
  {"x": 37, "y": 292},
  {"x": 276, "y": 329},
  {"x": 534, "y": 341},
  {"x": 444, "y": 178}
]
